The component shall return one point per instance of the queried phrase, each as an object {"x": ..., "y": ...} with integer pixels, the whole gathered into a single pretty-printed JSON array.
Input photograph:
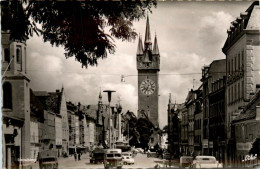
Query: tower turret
[
  {"x": 147, "y": 41},
  {"x": 155, "y": 47},
  {"x": 140, "y": 49}
]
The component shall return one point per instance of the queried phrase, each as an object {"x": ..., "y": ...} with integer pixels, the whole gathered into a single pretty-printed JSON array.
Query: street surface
[{"x": 141, "y": 161}]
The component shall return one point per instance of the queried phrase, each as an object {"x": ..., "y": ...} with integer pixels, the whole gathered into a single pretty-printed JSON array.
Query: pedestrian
[
  {"x": 79, "y": 154},
  {"x": 75, "y": 156}
]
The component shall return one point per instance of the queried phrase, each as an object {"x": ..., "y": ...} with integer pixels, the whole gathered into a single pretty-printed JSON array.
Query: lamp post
[
  {"x": 113, "y": 125},
  {"x": 109, "y": 94},
  {"x": 119, "y": 110}
]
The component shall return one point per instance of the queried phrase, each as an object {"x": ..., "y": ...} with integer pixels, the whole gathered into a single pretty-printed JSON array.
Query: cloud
[
  {"x": 212, "y": 34},
  {"x": 189, "y": 36}
]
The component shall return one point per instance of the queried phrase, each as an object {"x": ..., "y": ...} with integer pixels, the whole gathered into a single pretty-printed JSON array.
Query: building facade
[
  {"x": 242, "y": 52},
  {"x": 16, "y": 102},
  {"x": 36, "y": 123},
  {"x": 184, "y": 129},
  {"x": 213, "y": 99},
  {"x": 247, "y": 128}
]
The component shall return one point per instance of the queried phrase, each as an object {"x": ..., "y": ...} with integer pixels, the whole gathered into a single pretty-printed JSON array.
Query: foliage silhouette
[{"x": 85, "y": 29}]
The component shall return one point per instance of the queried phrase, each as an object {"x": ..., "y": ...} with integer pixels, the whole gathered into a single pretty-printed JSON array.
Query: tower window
[
  {"x": 18, "y": 55},
  {"x": 7, "y": 55},
  {"x": 7, "y": 95}
]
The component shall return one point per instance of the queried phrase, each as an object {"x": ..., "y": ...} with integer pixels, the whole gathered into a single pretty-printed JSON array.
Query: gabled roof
[
  {"x": 50, "y": 100},
  {"x": 37, "y": 108},
  {"x": 53, "y": 102},
  {"x": 249, "y": 112}
]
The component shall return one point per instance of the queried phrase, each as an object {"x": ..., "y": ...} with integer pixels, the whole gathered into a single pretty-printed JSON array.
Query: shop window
[{"x": 7, "y": 95}]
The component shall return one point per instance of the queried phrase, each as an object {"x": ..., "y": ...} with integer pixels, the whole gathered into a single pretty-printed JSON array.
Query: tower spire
[
  {"x": 140, "y": 47},
  {"x": 170, "y": 98},
  {"x": 100, "y": 96},
  {"x": 147, "y": 41},
  {"x": 155, "y": 46}
]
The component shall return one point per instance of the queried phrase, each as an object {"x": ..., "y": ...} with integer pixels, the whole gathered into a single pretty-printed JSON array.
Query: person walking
[
  {"x": 75, "y": 156},
  {"x": 79, "y": 154}
]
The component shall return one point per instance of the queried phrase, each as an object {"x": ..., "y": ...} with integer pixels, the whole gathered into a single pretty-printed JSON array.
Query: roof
[
  {"x": 251, "y": 23},
  {"x": 50, "y": 100},
  {"x": 40, "y": 93},
  {"x": 155, "y": 46},
  {"x": 53, "y": 102},
  {"x": 249, "y": 112},
  {"x": 140, "y": 48},
  {"x": 90, "y": 111},
  {"x": 147, "y": 32},
  {"x": 254, "y": 15},
  {"x": 37, "y": 107}
]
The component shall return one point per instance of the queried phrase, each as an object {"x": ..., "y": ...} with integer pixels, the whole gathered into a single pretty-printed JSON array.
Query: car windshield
[
  {"x": 113, "y": 155},
  {"x": 110, "y": 155},
  {"x": 48, "y": 159},
  {"x": 117, "y": 155},
  {"x": 206, "y": 159}
]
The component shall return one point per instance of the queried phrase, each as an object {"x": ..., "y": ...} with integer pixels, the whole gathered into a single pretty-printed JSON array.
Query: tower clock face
[{"x": 147, "y": 86}]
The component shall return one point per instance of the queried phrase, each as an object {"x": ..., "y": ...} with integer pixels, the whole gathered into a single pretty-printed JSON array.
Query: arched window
[
  {"x": 7, "y": 95},
  {"x": 7, "y": 55},
  {"x": 18, "y": 55}
]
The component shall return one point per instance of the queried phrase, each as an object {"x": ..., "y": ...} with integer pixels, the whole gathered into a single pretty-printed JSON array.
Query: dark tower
[{"x": 148, "y": 66}]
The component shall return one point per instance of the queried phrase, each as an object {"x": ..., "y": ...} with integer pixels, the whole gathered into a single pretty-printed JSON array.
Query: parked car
[
  {"x": 48, "y": 160},
  {"x": 186, "y": 161},
  {"x": 127, "y": 160},
  {"x": 206, "y": 162},
  {"x": 140, "y": 150},
  {"x": 97, "y": 155},
  {"x": 166, "y": 156},
  {"x": 128, "y": 153}
]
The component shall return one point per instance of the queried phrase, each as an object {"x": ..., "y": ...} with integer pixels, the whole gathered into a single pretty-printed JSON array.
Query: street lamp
[{"x": 109, "y": 94}]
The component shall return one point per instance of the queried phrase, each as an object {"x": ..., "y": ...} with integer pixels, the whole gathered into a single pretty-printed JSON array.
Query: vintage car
[
  {"x": 128, "y": 160},
  {"x": 113, "y": 159},
  {"x": 206, "y": 162},
  {"x": 48, "y": 160},
  {"x": 186, "y": 161},
  {"x": 166, "y": 156},
  {"x": 97, "y": 155}
]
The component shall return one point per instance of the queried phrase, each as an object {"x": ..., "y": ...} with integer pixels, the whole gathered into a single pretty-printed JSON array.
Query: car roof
[{"x": 203, "y": 157}]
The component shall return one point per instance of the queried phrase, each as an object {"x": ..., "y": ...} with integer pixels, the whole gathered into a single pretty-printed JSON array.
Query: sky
[{"x": 190, "y": 35}]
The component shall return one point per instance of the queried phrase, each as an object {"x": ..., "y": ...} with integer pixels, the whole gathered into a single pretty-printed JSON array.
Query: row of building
[
  {"x": 222, "y": 116},
  {"x": 35, "y": 121}
]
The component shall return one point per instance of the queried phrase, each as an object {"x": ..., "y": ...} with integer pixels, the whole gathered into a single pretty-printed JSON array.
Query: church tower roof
[
  {"x": 147, "y": 40},
  {"x": 140, "y": 48},
  {"x": 155, "y": 46},
  {"x": 100, "y": 96}
]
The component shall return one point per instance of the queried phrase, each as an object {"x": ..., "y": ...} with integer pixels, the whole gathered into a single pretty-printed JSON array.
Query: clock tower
[{"x": 148, "y": 66}]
